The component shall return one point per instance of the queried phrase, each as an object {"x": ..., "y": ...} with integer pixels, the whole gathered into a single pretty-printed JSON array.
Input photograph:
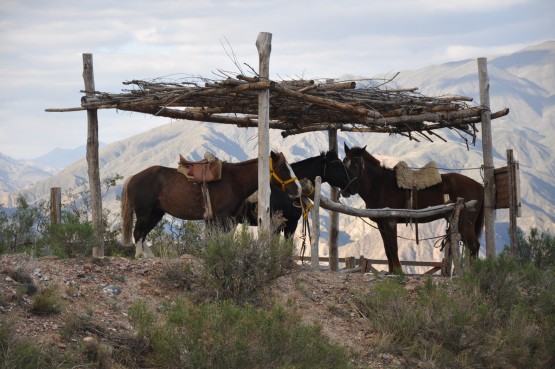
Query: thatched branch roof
[{"x": 297, "y": 106}]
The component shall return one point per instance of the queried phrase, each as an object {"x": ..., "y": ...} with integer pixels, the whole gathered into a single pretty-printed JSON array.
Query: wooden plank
[{"x": 487, "y": 151}]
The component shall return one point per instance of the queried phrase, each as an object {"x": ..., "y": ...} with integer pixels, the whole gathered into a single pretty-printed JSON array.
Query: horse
[
  {"x": 158, "y": 190},
  {"x": 326, "y": 165},
  {"x": 379, "y": 189}
]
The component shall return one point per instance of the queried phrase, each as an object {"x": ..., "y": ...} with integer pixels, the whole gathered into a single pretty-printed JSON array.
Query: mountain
[
  {"x": 17, "y": 174},
  {"x": 61, "y": 158},
  {"x": 523, "y": 82}
]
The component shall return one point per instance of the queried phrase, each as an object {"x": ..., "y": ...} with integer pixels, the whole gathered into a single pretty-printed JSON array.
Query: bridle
[
  {"x": 351, "y": 180},
  {"x": 275, "y": 176}
]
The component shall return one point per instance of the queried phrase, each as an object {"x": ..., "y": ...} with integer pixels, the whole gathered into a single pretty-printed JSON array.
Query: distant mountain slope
[
  {"x": 16, "y": 174},
  {"x": 518, "y": 81},
  {"x": 61, "y": 158}
]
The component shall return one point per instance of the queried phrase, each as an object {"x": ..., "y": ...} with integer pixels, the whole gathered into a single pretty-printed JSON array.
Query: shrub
[
  {"x": 236, "y": 264},
  {"x": 16, "y": 353},
  {"x": 47, "y": 302},
  {"x": 498, "y": 314},
  {"x": 538, "y": 248},
  {"x": 223, "y": 335}
]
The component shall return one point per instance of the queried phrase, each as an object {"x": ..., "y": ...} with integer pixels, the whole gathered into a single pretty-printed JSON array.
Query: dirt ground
[{"x": 106, "y": 288}]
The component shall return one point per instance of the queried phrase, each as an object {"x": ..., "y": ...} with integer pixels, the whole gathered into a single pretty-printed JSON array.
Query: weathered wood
[
  {"x": 513, "y": 202},
  {"x": 92, "y": 158},
  {"x": 264, "y": 46},
  {"x": 315, "y": 239},
  {"x": 55, "y": 205},
  {"x": 487, "y": 151},
  {"x": 393, "y": 213},
  {"x": 455, "y": 237},
  {"x": 334, "y": 216}
]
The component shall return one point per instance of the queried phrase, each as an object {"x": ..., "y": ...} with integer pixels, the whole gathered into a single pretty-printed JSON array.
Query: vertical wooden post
[
  {"x": 264, "y": 46},
  {"x": 487, "y": 151},
  {"x": 315, "y": 240},
  {"x": 512, "y": 202},
  {"x": 92, "y": 157},
  {"x": 55, "y": 205},
  {"x": 455, "y": 237},
  {"x": 334, "y": 216}
]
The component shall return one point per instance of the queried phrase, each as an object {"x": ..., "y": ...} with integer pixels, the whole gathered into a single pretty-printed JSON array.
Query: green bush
[
  {"x": 538, "y": 248},
  {"x": 498, "y": 314},
  {"x": 20, "y": 354},
  {"x": 223, "y": 335},
  {"x": 236, "y": 264}
]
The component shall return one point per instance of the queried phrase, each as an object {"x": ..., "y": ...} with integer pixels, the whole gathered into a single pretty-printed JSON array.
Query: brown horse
[
  {"x": 378, "y": 188},
  {"x": 158, "y": 190}
]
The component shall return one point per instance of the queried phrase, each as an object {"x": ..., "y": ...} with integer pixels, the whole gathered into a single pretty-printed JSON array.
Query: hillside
[
  {"x": 522, "y": 81},
  {"x": 106, "y": 289}
]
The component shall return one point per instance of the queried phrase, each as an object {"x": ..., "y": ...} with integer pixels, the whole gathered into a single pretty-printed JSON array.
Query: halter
[
  {"x": 279, "y": 180},
  {"x": 351, "y": 180}
]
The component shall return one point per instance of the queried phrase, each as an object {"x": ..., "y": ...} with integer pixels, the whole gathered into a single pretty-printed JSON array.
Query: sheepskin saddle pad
[{"x": 422, "y": 178}]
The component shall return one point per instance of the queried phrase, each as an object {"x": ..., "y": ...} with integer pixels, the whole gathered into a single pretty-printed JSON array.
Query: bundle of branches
[{"x": 299, "y": 106}]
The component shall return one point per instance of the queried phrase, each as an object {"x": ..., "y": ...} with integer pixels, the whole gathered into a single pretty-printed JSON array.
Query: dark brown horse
[
  {"x": 158, "y": 190},
  {"x": 378, "y": 188}
]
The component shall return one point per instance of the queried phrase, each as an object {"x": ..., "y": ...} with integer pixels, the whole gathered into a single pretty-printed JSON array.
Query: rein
[{"x": 279, "y": 180}]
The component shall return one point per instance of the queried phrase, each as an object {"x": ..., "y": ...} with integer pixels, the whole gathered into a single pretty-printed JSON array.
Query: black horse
[
  {"x": 379, "y": 189},
  {"x": 326, "y": 165}
]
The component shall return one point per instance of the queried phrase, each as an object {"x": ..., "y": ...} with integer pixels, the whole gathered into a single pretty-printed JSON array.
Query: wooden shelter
[
  {"x": 298, "y": 106},
  {"x": 292, "y": 106}
]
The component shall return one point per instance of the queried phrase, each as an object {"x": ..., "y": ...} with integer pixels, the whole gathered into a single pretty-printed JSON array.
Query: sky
[{"x": 42, "y": 42}]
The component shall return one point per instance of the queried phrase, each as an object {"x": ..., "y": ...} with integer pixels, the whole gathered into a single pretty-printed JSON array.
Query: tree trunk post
[
  {"x": 334, "y": 216},
  {"x": 455, "y": 238},
  {"x": 264, "y": 46},
  {"x": 513, "y": 209},
  {"x": 315, "y": 240},
  {"x": 92, "y": 157},
  {"x": 55, "y": 205},
  {"x": 487, "y": 151}
]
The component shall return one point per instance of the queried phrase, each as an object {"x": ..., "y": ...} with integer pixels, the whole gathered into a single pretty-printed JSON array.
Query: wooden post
[
  {"x": 512, "y": 202},
  {"x": 334, "y": 216},
  {"x": 55, "y": 205},
  {"x": 264, "y": 46},
  {"x": 315, "y": 240},
  {"x": 487, "y": 151},
  {"x": 455, "y": 237},
  {"x": 92, "y": 157}
]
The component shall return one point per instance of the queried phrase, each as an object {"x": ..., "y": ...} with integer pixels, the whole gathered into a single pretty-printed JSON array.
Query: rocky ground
[{"x": 104, "y": 289}]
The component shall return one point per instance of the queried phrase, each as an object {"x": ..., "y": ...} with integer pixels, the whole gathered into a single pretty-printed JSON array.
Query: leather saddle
[{"x": 206, "y": 170}]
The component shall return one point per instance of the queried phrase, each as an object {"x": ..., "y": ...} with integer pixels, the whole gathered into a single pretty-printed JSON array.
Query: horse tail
[{"x": 126, "y": 215}]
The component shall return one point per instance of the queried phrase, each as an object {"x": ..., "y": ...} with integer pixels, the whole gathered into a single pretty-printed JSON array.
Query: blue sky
[{"x": 41, "y": 46}]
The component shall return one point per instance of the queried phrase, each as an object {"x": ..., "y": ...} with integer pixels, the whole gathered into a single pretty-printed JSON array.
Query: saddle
[
  {"x": 415, "y": 180},
  {"x": 207, "y": 170},
  {"x": 420, "y": 179}
]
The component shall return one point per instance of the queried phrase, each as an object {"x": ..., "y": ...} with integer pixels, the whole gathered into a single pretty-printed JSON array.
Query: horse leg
[
  {"x": 388, "y": 231},
  {"x": 143, "y": 225}
]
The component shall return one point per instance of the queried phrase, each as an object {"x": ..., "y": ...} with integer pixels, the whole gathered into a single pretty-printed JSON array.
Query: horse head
[
  {"x": 338, "y": 175},
  {"x": 354, "y": 159},
  {"x": 283, "y": 176}
]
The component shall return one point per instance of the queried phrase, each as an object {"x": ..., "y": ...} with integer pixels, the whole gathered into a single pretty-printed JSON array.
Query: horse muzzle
[{"x": 351, "y": 188}]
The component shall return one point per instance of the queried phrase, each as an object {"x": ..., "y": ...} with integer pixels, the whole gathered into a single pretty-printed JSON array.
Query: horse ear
[
  {"x": 346, "y": 147},
  {"x": 364, "y": 148}
]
